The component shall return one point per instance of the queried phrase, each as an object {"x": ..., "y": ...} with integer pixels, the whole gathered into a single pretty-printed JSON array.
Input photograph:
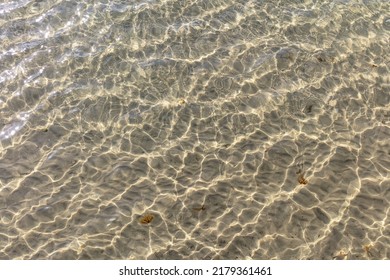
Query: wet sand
[{"x": 204, "y": 130}]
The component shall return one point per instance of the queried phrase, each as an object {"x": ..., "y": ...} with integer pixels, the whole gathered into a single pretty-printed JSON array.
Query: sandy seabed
[{"x": 194, "y": 129}]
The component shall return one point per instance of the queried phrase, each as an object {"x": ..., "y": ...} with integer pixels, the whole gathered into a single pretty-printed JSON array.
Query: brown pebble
[
  {"x": 302, "y": 180},
  {"x": 146, "y": 219}
]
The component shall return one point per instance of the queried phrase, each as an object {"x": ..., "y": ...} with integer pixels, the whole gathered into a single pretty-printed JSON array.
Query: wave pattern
[{"x": 194, "y": 129}]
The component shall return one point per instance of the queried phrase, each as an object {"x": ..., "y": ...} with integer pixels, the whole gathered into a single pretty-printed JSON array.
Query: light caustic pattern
[{"x": 194, "y": 129}]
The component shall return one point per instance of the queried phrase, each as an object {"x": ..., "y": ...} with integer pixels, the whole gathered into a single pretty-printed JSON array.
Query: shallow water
[{"x": 194, "y": 129}]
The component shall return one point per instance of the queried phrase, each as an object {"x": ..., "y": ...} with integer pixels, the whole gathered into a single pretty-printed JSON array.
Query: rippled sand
[{"x": 194, "y": 129}]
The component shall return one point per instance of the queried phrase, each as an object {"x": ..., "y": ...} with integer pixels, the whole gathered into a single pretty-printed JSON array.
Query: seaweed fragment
[{"x": 146, "y": 219}]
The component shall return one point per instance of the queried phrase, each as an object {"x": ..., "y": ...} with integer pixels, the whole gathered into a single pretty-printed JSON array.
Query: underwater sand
[{"x": 194, "y": 129}]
